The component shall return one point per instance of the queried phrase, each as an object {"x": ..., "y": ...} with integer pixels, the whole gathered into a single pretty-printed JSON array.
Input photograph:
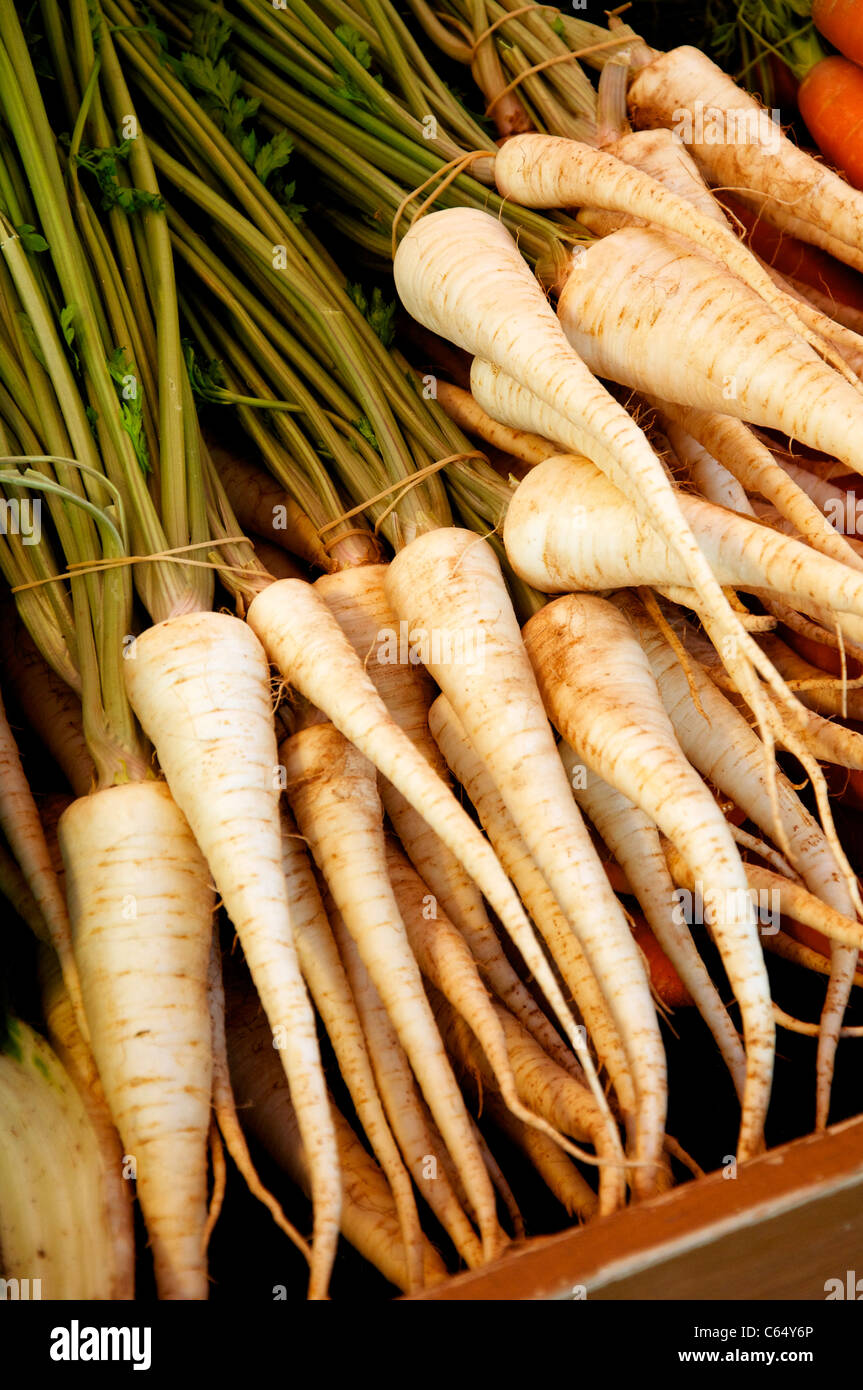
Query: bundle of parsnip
[{"x": 588, "y": 662}]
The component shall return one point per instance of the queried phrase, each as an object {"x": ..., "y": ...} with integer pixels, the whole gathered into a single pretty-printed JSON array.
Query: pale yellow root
[
  {"x": 357, "y": 599},
  {"x": 325, "y": 976},
  {"x": 545, "y": 1088},
  {"x": 559, "y": 1173},
  {"x": 424, "y": 1152},
  {"x": 200, "y": 686},
  {"x": 543, "y": 907},
  {"x": 225, "y": 1110},
  {"x": 369, "y": 1217},
  {"x": 331, "y": 788},
  {"x": 141, "y": 909}
]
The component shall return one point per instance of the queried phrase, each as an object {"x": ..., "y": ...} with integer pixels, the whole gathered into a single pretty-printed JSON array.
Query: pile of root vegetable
[{"x": 409, "y": 701}]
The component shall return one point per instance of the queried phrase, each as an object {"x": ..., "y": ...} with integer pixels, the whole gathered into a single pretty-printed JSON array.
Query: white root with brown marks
[
  {"x": 141, "y": 909},
  {"x": 331, "y": 788},
  {"x": 597, "y": 685},
  {"x": 545, "y": 171},
  {"x": 437, "y": 1181},
  {"x": 544, "y": 909},
  {"x": 358, "y": 601},
  {"x": 304, "y": 640},
  {"x": 725, "y": 750},
  {"x": 328, "y": 985},
  {"x": 460, "y": 274},
  {"x": 591, "y": 539},
  {"x": 764, "y": 167},
  {"x": 732, "y": 353},
  {"x": 449, "y": 581},
  {"x": 634, "y": 841},
  {"x": 369, "y": 1218},
  {"x": 200, "y": 686}
]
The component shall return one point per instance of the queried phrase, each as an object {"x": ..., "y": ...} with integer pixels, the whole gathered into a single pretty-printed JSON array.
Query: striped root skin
[
  {"x": 461, "y": 275},
  {"x": 562, "y": 942},
  {"x": 756, "y": 470},
  {"x": 200, "y": 686},
  {"x": 304, "y": 640},
  {"x": 592, "y": 539},
  {"x": 328, "y": 985},
  {"x": 727, "y": 753},
  {"x": 634, "y": 841},
  {"x": 411, "y": 1123},
  {"x": 597, "y": 685},
  {"x": 449, "y": 582},
  {"x": 638, "y": 287},
  {"x": 543, "y": 171},
  {"x": 141, "y": 908},
  {"x": 358, "y": 601},
  {"x": 331, "y": 789},
  {"x": 774, "y": 172},
  {"x": 445, "y": 960},
  {"x": 369, "y": 1219},
  {"x": 567, "y": 1106}
]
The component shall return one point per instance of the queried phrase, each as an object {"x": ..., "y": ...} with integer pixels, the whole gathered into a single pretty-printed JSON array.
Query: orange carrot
[
  {"x": 831, "y": 104},
  {"x": 841, "y": 21}
]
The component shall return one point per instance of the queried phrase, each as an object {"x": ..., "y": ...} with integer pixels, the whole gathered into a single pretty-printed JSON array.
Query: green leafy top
[
  {"x": 745, "y": 31},
  {"x": 102, "y": 164},
  {"x": 129, "y": 394},
  {"x": 378, "y": 312},
  {"x": 358, "y": 48},
  {"x": 31, "y": 240},
  {"x": 207, "y": 380},
  {"x": 208, "y": 72}
]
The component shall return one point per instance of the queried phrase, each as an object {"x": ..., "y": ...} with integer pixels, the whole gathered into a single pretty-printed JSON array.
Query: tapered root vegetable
[
  {"x": 141, "y": 909},
  {"x": 544, "y": 171},
  {"x": 328, "y": 984},
  {"x": 306, "y": 643},
  {"x": 789, "y": 948},
  {"x": 19, "y": 822},
  {"x": 592, "y": 539},
  {"x": 634, "y": 841},
  {"x": 561, "y": 940},
  {"x": 369, "y": 1218},
  {"x": 755, "y": 468},
  {"x": 666, "y": 159},
  {"x": 436, "y": 1180},
  {"x": 449, "y": 583},
  {"x": 460, "y": 274},
  {"x": 710, "y": 477},
  {"x": 358, "y": 601},
  {"x": 740, "y": 359},
  {"x": 725, "y": 750},
  {"x": 461, "y": 407},
  {"x": 510, "y": 401},
  {"x": 815, "y": 687},
  {"x": 261, "y": 505},
  {"x": 566, "y": 1105},
  {"x": 753, "y": 156},
  {"x": 225, "y": 1109},
  {"x": 200, "y": 686},
  {"x": 597, "y": 685},
  {"x": 444, "y": 958},
  {"x": 331, "y": 788},
  {"x": 558, "y": 1172}
]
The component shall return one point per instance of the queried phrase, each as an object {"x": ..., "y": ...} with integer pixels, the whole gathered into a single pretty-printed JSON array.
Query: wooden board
[{"x": 789, "y": 1221}]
